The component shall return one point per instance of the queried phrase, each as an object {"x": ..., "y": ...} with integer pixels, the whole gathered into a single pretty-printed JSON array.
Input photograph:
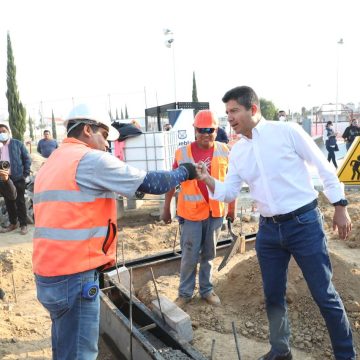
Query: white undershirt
[{"x": 274, "y": 163}]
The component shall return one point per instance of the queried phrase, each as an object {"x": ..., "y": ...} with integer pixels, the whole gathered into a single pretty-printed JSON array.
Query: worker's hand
[
  {"x": 201, "y": 170},
  {"x": 342, "y": 222},
  {"x": 166, "y": 216},
  {"x": 4, "y": 175},
  {"x": 191, "y": 170},
  {"x": 231, "y": 215}
]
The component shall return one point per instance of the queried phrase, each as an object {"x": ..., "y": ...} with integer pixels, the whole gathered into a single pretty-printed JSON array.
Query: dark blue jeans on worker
[
  {"x": 75, "y": 320},
  {"x": 302, "y": 237}
]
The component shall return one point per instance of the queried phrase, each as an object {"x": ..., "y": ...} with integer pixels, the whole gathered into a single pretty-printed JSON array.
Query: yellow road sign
[{"x": 349, "y": 172}]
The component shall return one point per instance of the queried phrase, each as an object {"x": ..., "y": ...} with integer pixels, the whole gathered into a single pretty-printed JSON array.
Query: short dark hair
[
  {"x": 46, "y": 131},
  {"x": 329, "y": 122},
  {"x": 5, "y": 126},
  {"x": 244, "y": 95},
  {"x": 77, "y": 130}
]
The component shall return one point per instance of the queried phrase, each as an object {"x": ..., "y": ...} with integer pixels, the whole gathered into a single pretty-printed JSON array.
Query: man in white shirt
[{"x": 271, "y": 157}]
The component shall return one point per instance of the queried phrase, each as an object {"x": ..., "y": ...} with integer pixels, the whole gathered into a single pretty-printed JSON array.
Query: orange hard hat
[{"x": 206, "y": 119}]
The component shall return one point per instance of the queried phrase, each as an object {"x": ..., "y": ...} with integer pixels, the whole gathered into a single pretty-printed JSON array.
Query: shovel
[{"x": 237, "y": 242}]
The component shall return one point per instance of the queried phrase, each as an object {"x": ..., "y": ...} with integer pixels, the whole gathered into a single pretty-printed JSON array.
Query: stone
[
  {"x": 353, "y": 306},
  {"x": 175, "y": 317}
]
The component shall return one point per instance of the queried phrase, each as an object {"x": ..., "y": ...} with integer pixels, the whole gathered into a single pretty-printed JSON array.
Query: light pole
[
  {"x": 169, "y": 43},
  {"x": 340, "y": 42}
]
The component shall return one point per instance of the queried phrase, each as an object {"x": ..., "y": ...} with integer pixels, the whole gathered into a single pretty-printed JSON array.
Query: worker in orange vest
[
  {"x": 76, "y": 226},
  {"x": 201, "y": 218}
]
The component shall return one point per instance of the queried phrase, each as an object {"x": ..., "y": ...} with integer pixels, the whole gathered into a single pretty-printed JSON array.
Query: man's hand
[
  {"x": 191, "y": 170},
  {"x": 4, "y": 175},
  {"x": 203, "y": 174},
  {"x": 231, "y": 211},
  {"x": 342, "y": 222},
  {"x": 166, "y": 216},
  {"x": 201, "y": 170}
]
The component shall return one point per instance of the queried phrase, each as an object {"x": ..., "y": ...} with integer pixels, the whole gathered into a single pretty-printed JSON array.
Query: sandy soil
[{"x": 25, "y": 325}]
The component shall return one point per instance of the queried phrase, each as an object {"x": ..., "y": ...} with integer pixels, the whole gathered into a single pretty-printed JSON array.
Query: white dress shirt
[{"x": 274, "y": 164}]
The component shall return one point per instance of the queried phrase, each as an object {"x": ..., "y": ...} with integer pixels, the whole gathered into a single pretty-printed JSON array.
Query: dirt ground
[{"x": 25, "y": 325}]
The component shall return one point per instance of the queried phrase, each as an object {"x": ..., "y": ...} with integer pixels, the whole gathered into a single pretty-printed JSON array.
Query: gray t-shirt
[{"x": 100, "y": 172}]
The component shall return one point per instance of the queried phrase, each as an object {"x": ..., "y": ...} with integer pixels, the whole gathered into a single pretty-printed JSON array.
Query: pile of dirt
[
  {"x": 24, "y": 324},
  {"x": 241, "y": 294}
]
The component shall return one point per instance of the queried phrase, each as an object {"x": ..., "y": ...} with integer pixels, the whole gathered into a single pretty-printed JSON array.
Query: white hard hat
[{"x": 83, "y": 112}]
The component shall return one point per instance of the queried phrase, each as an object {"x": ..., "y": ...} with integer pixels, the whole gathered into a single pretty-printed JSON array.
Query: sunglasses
[{"x": 205, "y": 130}]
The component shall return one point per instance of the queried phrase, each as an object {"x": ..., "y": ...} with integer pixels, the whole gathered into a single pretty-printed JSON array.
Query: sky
[{"x": 113, "y": 53}]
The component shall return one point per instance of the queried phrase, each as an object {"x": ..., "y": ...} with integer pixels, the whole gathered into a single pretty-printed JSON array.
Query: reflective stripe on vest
[
  {"x": 69, "y": 235},
  {"x": 184, "y": 156},
  {"x": 193, "y": 198},
  {"x": 69, "y": 196}
]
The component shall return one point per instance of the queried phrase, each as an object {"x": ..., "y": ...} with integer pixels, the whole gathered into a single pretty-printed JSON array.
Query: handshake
[{"x": 195, "y": 171}]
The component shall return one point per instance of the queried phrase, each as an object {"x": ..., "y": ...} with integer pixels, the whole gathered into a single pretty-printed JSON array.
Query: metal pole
[
  {"x": 157, "y": 295},
  {"x": 236, "y": 340},
  {"x": 340, "y": 42},
  {"x": 212, "y": 349},
  {"x": 174, "y": 71},
  {"x": 131, "y": 317}
]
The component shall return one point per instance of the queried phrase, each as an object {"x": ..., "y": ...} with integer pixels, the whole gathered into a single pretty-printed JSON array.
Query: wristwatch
[{"x": 342, "y": 202}]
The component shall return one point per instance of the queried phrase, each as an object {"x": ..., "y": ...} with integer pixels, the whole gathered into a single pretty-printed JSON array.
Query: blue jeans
[
  {"x": 198, "y": 243},
  {"x": 75, "y": 320},
  {"x": 303, "y": 238}
]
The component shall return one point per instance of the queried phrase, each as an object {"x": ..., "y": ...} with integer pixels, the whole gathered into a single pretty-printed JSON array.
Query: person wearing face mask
[
  {"x": 331, "y": 143},
  {"x": 75, "y": 233},
  {"x": 15, "y": 152},
  {"x": 351, "y": 132},
  {"x": 282, "y": 115}
]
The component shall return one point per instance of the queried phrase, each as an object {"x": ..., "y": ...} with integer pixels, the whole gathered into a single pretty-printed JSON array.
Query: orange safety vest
[
  {"x": 191, "y": 203},
  {"x": 74, "y": 231}
]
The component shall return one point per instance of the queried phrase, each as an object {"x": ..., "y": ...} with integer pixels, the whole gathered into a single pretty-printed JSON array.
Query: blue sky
[{"x": 83, "y": 51}]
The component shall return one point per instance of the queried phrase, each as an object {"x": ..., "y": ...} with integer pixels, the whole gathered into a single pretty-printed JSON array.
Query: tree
[
  {"x": 16, "y": 110},
  {"x": 126, "y": 112},
  {"x": 122, "y": 114},
  {"x": 31, "y": 128},
  {"x": 53, "y": 125},
  {"x": 117, "y": 115},
  {"x": 268, "y": 109},
  {"x": 194, "y": 89}
]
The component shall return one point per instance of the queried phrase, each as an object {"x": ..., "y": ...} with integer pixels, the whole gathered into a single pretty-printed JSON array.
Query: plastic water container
[{"x": 151, "y": 151}]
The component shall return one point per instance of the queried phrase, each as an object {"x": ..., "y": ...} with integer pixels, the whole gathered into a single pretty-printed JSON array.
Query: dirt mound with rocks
[{"x": 241, "y": 294}]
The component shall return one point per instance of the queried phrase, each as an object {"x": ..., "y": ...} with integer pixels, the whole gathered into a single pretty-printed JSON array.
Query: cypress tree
[
  {"x": 122, "y": 115},
  {"x": 117, "y": 115},
  {"x": 53, "y": 125},
  {"x": 31, "y": 128},
  {"x": 17, "y": 112},
  {"x": 126, "y": 113},
  {"x": 194, "y": 90}
]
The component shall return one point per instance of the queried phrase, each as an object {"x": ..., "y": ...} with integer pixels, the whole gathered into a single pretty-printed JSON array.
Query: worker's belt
[{"x": 292, "y": 214}]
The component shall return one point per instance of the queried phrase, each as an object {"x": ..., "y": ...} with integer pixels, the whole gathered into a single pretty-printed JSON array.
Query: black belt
[{"x": 292, "y": 214}]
